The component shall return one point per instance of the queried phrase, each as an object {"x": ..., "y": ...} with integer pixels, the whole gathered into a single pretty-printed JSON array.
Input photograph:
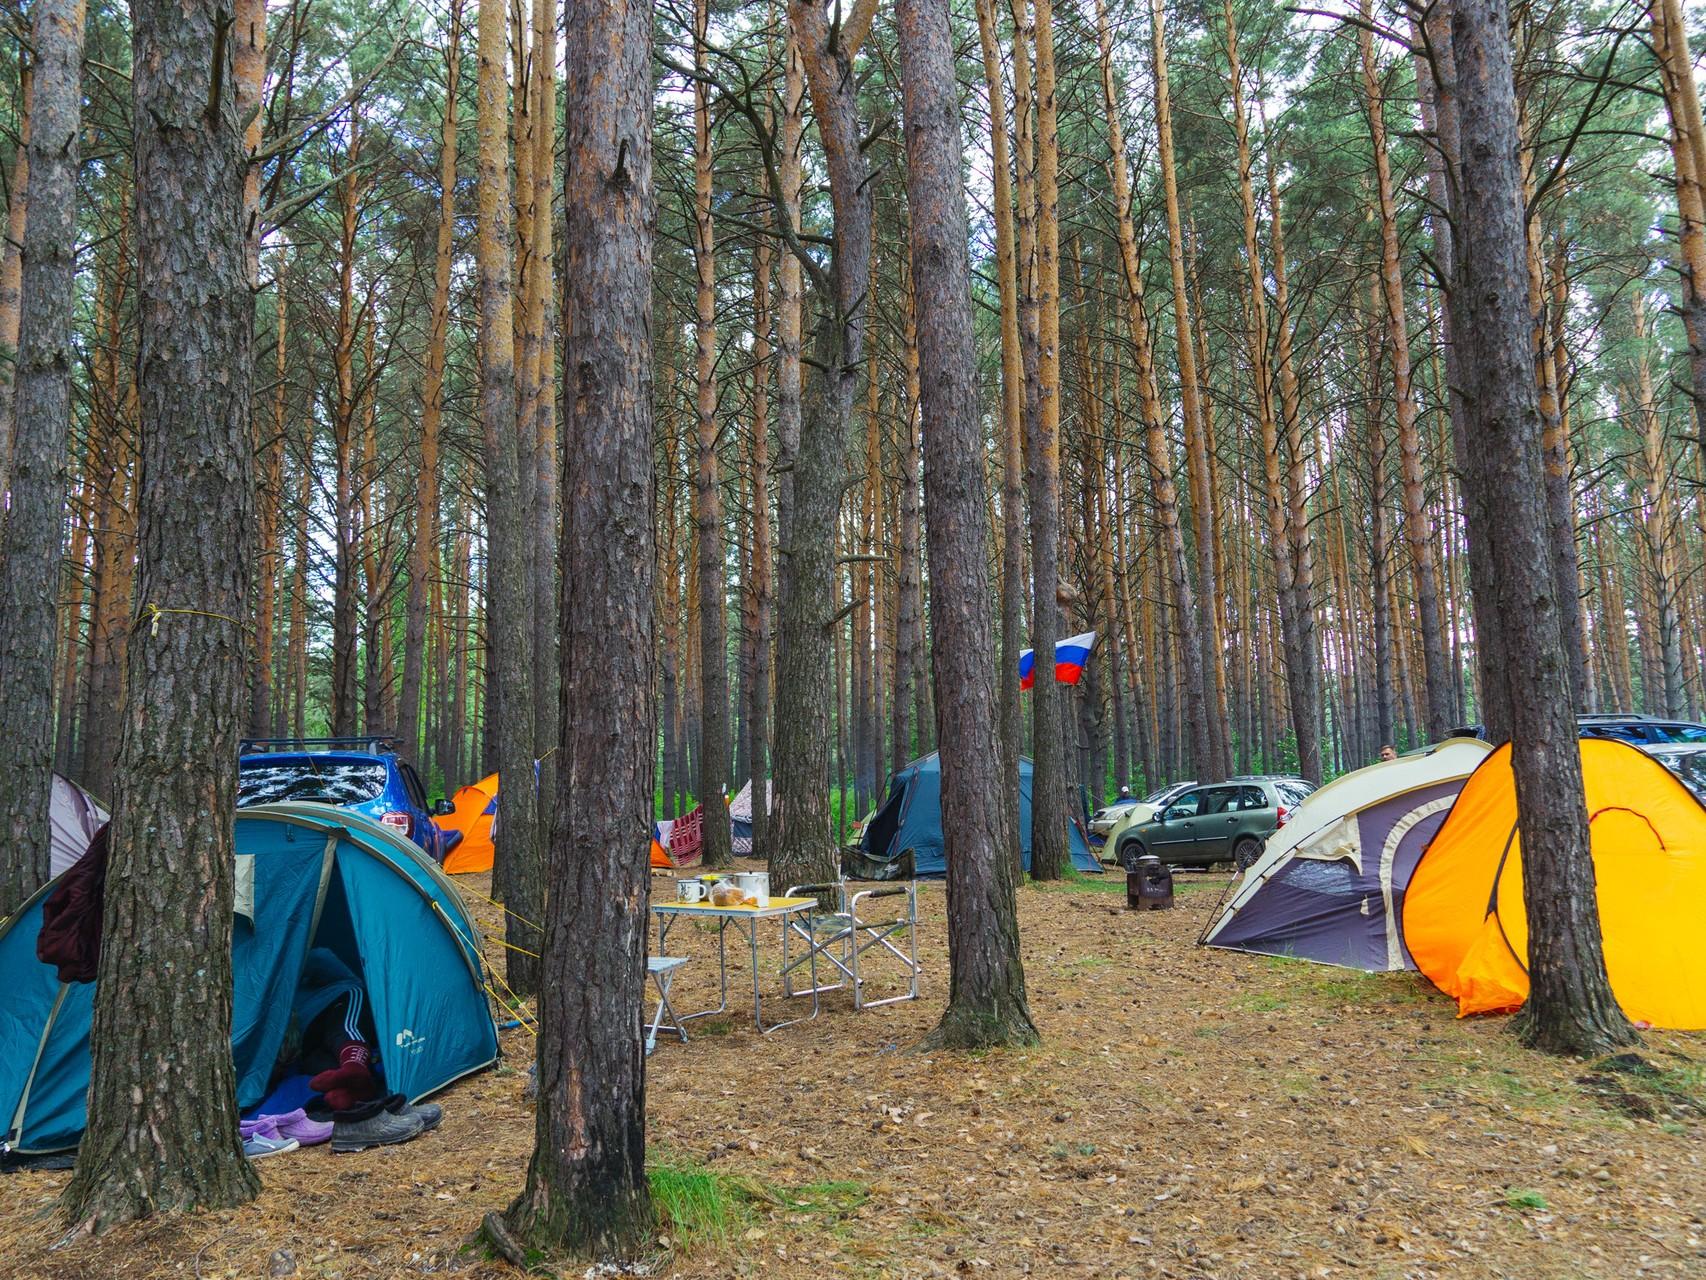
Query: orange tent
[
  {"x": 475, "y": 806},
  {"x": 1466, "y": 923}
]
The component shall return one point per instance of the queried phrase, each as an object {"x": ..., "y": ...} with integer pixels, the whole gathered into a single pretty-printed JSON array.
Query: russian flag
[{"x": 1070, "y": 655}]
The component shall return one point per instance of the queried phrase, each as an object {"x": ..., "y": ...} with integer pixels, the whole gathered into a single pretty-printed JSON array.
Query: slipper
[
  {"x": 259, "y": 1148},
  {"x": 290, "y": 1124}
]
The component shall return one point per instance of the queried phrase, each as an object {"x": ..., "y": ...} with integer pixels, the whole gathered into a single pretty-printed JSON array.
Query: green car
[{"x": 1216, "y": 822}]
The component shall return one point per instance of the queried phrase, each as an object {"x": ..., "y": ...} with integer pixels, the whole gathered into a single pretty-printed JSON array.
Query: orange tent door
[{"x": 475, "y": 806}]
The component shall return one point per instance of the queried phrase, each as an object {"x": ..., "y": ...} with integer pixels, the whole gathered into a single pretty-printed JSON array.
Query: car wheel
[
  {"x": 1130, "y": 852},
  {"x": 1246, "y": 852}
]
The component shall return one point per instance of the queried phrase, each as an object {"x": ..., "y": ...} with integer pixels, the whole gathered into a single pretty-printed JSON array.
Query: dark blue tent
[
  {"x": 307, "y": 876},
  {"x": 904, "y": 836}
]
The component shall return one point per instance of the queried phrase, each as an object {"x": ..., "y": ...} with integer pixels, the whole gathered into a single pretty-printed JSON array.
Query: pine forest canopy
[{"x": 1253, "y": 497}]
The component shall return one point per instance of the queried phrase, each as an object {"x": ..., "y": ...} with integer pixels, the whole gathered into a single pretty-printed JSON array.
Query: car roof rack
[
  {"x": 1603, "y": 717},
  {"x": 373, "y": 743}
]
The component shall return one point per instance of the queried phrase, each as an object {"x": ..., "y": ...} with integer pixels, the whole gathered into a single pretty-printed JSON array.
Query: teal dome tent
[
  {"x": 904, "y": 837},
  {"x": 308, "y": 875}
]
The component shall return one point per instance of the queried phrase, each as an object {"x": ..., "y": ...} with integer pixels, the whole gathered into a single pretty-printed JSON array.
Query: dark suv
[
  {"x": 364, "y": 774},
  {"x": 1216, "y": 822}
]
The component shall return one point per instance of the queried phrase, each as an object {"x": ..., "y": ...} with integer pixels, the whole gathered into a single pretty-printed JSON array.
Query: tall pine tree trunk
[
  {"x": 802, "y": 847},
  {"x": 762, "y": 569},
  {"x": 1570, "y": 1006},
  {"x": 986, "y": 1001},
  {"x": 162, "y": 1109},
  {"x": 1012, "y": 427},
  {"x": 509, "y": 725},
  {"x": 586, "y": 1183},
  {"x": 423, "y": 551},
  {"x": 30, "y": 530},
  {"x": 707, "y": 485},
  {"x": 1050, "y": 800},
  {"x": 539, "y": 469}
]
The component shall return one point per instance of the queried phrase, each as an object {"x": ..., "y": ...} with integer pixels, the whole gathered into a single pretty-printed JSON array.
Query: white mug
[{"x": 690, "y": 890}]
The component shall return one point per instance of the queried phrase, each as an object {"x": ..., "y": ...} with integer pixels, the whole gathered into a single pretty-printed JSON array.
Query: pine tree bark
[
  {"x": 347, "y": 528},
  {"x": 1379, "y": 538},
  {"x": 508, "y": 598},
  {"x": 111, "y": 416},
  {"x": 1688, "y": 153},
  {"x": 249, "y": 63},
  {"x": 1050, "y": 801},
  {"x": 790, "y": 297},
  {"x": 1659, "y": 533},
  {"x": 269, "y": 497},
  {"x": 162, "y": 1113},
  {"x": 586, "y": 1190},
  {"x": 30, "y": 531},
  {"x": 986, "y": 1001},
  {"x": 1418, "y": 525},
  {"x": 298, "y": 635},
  {"x": 707, "y": 484},
  {"x": 762, "y": 568},
  {"x": 423, "y": 551},
  {"x": 11, "y": 272},
  {"x": 802, "y": 846},
  {"x": 1306, "y": 695},
  {"x": 909, "y": 594},
  {"x": 1570, "y": 1007},
  {"x": 1012, "y": 431},
  {"x": 539, "y": 469}
]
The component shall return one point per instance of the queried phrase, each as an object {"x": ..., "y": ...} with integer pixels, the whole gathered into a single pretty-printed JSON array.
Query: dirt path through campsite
[{"x": 1190, "y": 1113}]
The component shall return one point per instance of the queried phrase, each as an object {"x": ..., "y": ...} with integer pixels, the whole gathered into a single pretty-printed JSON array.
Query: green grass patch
[
  {"x": 696, "y": 1206},
  {"x": 699, "y": 1207},
  {"x": 1261, "y": 1002},
  {"x": 1519, "y": 1199}
]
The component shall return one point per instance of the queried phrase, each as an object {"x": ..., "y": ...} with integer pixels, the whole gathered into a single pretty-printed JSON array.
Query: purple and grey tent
[{"x": 1330, "y": 885}]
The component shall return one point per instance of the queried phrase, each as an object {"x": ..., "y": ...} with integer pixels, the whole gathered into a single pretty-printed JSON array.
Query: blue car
[{"x": 364, "y": 774}]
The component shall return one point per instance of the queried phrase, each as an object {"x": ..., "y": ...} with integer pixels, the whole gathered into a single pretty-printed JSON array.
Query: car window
[
  {"x": 1186, "y": 806},
  {"x": 1292, "y": 793},
  {"x": 1156, "y": 797},
  {"x": 325, "y": 781},
  {"x": 412, "y": 784},
  {"x": 1252, "y": 798},
  {"x": 1678, "y": 733},
  {"x": 1221, "y": 800}
]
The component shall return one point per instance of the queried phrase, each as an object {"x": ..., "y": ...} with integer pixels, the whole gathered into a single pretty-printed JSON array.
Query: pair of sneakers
[{"x": 384, "y": 1122}]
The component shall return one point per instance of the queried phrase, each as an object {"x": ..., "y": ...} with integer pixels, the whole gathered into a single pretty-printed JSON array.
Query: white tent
[
  {"x": 76, "y": 817},
  {"x": 1330, "y": 884}
]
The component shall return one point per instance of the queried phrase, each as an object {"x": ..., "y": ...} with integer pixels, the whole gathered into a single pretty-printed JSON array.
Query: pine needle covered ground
[{"x": 1190, "y": 1113}]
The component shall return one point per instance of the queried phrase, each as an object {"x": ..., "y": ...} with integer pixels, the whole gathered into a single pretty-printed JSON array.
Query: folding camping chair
[
  {"x": 843, "y": 935},
  {"x": 661, "y": 970}
]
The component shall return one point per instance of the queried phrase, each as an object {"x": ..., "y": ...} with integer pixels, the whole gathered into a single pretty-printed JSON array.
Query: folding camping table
[{"x": 745, "y": 920}]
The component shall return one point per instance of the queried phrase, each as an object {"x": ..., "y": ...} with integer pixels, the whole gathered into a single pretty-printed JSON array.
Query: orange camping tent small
[
  {"x": 1466, "y": 923},
  {"x": 475, "y": 806}
]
